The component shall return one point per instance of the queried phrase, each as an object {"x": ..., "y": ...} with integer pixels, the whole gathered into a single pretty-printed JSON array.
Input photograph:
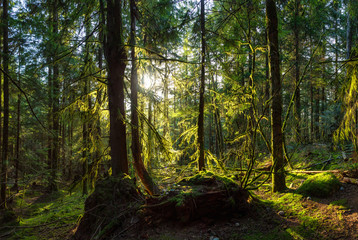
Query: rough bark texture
[
  {"x": 202, "y": 90},
  {"x": 116, "y": 57},
  {"x": 5, "y": 150},
  {"x": 17, "y": 147},
  {"x": 278, "y": 175},
  {"x": 141, "y": 171},
  {"x": 54, "y": 96},
  {"x": 297, "y": 74}
]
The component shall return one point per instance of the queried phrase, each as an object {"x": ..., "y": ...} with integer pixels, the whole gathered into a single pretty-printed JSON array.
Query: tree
[
  {"x": 5, "y": 143},
  {"x": 136, "y": 147},
  {"x": 116, "y": 57},
  {"x": 201, "y": 161},
  {"x": 278, "y": 174},
  {"x": 55, "y": 98},
  {"x": 296, "y": 32}
]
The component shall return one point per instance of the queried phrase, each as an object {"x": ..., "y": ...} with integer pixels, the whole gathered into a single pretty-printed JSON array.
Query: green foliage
[{"x": 320, "y": 185}]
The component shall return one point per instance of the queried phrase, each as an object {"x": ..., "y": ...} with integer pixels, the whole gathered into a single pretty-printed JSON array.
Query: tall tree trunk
[
  {"x": 150, "y": 136},
  {"x": 55, "y": 110},
  {"x": 349, "y": 31},
  {"x": 201, "y": 161},
  {"x": 18, "y": 131},
  {"x": 70, "y": 139},
  {"x": 5, "y": 149},
  {"x": 316, "y": 112},
  {"x": 278, "y": 175},
  {"x": 49, "y": 116},
  {"x": 297, "y": 108},
  {"x": 116, "y": 57},
  {"x": 141, "y": 171},
  {"x": 166, "y": 132},
  {"x": 86, "y": 114}
]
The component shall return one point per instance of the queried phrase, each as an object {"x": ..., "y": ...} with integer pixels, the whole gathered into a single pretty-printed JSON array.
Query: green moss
[
  {"x": 319, "y": 185},
  {"x": 342, "y": 204},
  {"x": 50, "y": 210},
  {"x": 207, "y": 178},
  {"x": 179, "y": 199}
]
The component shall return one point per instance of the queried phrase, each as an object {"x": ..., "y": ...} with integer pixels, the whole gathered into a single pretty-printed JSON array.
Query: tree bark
[
  {"x": 201, "y": 162},
  {"x": 55, "y": 110},
  {"x": 116, "y": 57},
  {"x": 5, "y": 149},
  {"x": 278, "y": 175},
  {"x": 349, "y": 31},
  {"x": 141, "y": 171},
  {"x": 18, "y": 131},
  {"x": 297, "y": 112}
]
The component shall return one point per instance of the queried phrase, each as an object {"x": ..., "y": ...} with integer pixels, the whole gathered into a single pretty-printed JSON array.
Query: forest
[{"x": 172, "y": 119}]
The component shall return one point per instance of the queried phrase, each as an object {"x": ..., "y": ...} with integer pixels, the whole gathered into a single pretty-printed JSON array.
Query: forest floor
[{"x": 278, "y": 216}]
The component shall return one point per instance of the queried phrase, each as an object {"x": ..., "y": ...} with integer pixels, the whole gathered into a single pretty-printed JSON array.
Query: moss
[
  {"x": 50, "y": 210},
  {"x": 209, "y": 178},
  {"x": 341, "y": 202},
  {"x": 319, "y": 185}
]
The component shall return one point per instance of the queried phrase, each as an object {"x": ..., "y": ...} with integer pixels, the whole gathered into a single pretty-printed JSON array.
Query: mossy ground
[
  {"x": 320, "y": 185},
  {"x": 44, "y": 216},
  {"x": 55, "y": 216}
]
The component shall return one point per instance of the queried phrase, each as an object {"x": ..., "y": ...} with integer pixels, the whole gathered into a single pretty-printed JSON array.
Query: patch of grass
[
  {"x": 293, "y": 206},
  {"x": 50, "y": 216},
  {"x": 319, "y": 185},
  {"x": 341, "y": 203}
]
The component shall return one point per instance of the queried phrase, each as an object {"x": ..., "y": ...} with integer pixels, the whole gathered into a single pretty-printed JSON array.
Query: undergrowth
[{"x": 49, "y": 216}]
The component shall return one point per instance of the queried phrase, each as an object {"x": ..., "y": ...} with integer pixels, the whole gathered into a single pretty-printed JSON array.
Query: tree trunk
[
  {"x": 116, "y": 57},
  {"x": 297, "y": 108},
  {"x": 5, "y": 149},
  {"x": 55, "y": 110},
  {"x": 18, "y": 130},
  {"x": 201, "y": 161},
  {"x": 349, "y": 31},
  {"x": 278, "y": 175},
  {"x": 86, "y": 125},
  {"x": 141, "y": 171}
]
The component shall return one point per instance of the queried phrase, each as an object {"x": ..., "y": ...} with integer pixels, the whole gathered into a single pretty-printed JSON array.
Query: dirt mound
[{"x": 111, "y": 206}]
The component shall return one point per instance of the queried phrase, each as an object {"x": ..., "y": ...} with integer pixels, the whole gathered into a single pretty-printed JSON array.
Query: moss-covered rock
[{"x": 319, "y": 185}]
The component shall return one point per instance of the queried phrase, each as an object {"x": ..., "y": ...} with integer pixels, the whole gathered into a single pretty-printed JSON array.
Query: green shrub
[{"x": 319, "y": 185}]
